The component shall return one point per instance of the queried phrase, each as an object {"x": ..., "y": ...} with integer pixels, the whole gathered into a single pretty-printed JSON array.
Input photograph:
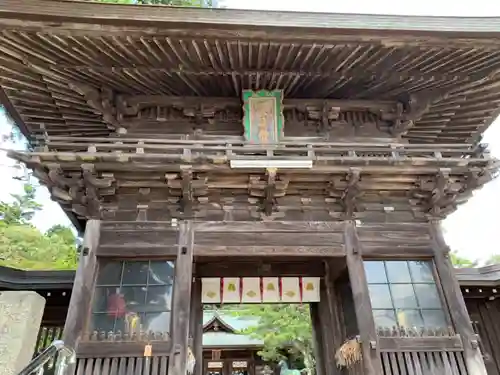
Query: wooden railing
[
  {"x": 224, "y": 151},
  {"x": 98, "y": 359},
  {"x": 155, "y": 365},
  {"x": 423, "y": 363}
]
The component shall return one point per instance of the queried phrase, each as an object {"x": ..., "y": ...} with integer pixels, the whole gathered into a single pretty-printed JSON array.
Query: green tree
[
  {"x": 461, "y": 262},
  {"x": 283, "y": 328},
  {"x": 24, "y": 246},
  {"x": 24, "y": 207}
]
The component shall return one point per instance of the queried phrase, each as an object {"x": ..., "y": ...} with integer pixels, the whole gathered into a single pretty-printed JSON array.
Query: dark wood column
[
  {"x": 182, "y": 299},
  {"x": 196, "y": 325},
  {"x": 326, "y": 327},
  {"x": 362, "y": 305},
  {"x": 79, "y": 305},
  {"x": 455, "y": 301},
  {"x": 318, "y": 339}
]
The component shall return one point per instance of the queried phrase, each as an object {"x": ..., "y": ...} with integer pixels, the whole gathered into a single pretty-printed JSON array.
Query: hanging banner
[
  {"x": 251, "y": 290},
  {"x": 231, "y": 290},
  {"x": 310, "y": 289},
  {"x": 270, "y": 290},
  {"x": 290, "y": 290},
  {"x": 210, "y": 290},
  {"x": 260, "y": 290}
]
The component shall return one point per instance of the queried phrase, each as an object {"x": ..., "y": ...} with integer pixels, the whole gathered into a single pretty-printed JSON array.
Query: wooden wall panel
[
  {"x": 485, "y": 317},
  {"x": 394, "y": 240},
  {"x": 138, "y": 239},
  {"x": 275, "y": 238}
]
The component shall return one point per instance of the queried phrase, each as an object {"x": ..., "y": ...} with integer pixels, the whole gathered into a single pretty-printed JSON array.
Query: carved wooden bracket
[
  {"x": 267, "y": 189},
  {"x": 351, "y": 193},
  {"x": 188, "y": 188},
  {"x": 102, "y": 100},
  {"x": 324, "y": 114},
  {"x": 409, "y": 112}
]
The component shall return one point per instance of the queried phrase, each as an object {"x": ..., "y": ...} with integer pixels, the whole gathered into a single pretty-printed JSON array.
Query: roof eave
[{"x": 152, "y": 19}]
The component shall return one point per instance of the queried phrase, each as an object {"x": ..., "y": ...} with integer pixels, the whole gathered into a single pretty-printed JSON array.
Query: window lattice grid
[
  {"x": 133, "y": 297},
  {"x": 404, "y": 294}
]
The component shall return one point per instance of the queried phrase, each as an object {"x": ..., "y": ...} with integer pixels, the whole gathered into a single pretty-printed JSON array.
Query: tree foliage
[
  {"x": 24, "y": 246},
  {"x": 22, "y": 210},
  {"x": 461, "y": 262},
  {"x": 284, "y": 329}
]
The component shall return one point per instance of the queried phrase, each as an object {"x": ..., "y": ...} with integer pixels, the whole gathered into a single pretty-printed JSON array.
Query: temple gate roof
[{"x": 62, "y": 60}]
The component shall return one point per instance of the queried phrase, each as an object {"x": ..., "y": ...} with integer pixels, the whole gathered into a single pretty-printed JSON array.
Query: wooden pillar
[
  {"x": 326, "y": 327},
  {"x": 371, "y": 359},
  {"x": 455, "y": 302},
  {"x": 182, "y": 299},
  {"x": 318, "y": 339},
  {"x": 83, "y": 286},
  {"x": 196, "y": 325},
  {"x": 330, "y": 308}
]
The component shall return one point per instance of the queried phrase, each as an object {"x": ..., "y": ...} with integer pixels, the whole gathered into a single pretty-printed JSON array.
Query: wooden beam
[
  {"x": 252, "y": 267},
  {"x": 104, "y": 349},
  {"x": 83, "y": 287},
  {"x": 135, "y": 101},
  {"x": 420, "y": 344},
  {"x": 455, "y": 302},
  {"x": 362, "y": 305},
  {"x": 333, "y": 250},
  {"x": 271, "y": 226},
  {"x": 401, "y": 251},
  {"x": 181, "y": 307},
  {"x": 301, "y": 26}
]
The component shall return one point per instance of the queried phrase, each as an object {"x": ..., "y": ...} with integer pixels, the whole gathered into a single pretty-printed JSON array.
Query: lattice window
[
  {"x": 404, "y": 294},
  {"x": 133, "y": 298}
]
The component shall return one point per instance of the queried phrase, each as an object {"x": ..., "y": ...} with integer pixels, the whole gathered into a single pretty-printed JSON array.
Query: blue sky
[{"x": 471, "y": 230}]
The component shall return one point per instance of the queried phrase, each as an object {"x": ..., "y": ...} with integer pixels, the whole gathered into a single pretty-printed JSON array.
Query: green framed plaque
[{"x": 263, "y": 116}]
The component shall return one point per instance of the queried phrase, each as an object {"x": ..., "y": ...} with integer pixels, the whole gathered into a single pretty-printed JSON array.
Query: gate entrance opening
[{"x": 241, "y": 297}]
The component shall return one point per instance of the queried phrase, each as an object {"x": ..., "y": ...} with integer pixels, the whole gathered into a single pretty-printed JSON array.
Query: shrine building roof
[
  {"x": 444, "y": 71},
  {"x": 230, "y": 332},
  {"x": 15, "y": 279}
]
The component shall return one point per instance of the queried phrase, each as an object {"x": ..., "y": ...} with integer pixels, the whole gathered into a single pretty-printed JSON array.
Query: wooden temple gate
[{"x": 186, "y": 144}]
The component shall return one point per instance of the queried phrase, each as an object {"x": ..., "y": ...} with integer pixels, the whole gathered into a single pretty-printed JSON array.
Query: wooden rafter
[{"x": 46, "y": 76}]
